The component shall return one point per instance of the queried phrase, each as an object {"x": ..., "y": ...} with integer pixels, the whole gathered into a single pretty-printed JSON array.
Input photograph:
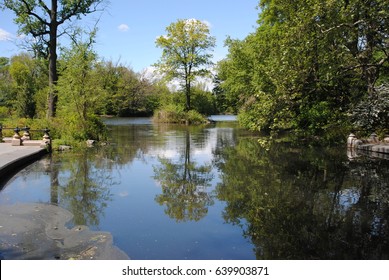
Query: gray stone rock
[{"x": 38, "y": 231}]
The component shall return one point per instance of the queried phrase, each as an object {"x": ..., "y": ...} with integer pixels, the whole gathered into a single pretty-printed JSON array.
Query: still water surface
[{"x": 216, "y": 192}]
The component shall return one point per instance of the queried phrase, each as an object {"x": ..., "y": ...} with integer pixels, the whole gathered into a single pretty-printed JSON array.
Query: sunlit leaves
[
  {"x": 308, "y": 63},
  {"x": 41, "y": 21},
  {"x": 185, "y": 53}
]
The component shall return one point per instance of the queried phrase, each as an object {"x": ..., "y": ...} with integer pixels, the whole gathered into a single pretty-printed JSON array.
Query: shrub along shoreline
[{"x": 173, "y": 113}]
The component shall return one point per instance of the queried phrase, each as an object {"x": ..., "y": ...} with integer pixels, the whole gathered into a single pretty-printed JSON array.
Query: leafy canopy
[
  {"x": 307, "y": 64},
  {"x": 186, "y": 52}
]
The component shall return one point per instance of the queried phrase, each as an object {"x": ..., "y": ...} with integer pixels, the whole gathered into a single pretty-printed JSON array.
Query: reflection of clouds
[
  {"x": 203, "y": 151},
  {"x": 163, "y": 153},
  {"x": 168, "y": 153},
  {"x": 123, "y": 194}
]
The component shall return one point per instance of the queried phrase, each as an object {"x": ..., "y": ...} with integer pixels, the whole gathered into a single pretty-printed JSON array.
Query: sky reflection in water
[{"x": 213, "y": 192}]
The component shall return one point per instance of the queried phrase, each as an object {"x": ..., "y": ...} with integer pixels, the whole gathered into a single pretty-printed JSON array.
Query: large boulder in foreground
[{"x": 38, "y": 231}]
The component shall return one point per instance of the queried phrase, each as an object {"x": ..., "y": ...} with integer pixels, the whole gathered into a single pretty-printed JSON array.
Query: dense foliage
[
  {"x": 87, "y": 86},
  {"x": 315, "y": 67},
  {"x": 43, "y": 21},
  {"x": 308, "y": 64}
]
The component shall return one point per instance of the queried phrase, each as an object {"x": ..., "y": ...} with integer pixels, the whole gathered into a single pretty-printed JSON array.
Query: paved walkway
[{"x": 12, "y": 157}]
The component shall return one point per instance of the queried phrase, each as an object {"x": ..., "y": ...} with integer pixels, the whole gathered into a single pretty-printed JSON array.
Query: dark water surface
[{"x": 216, "y": 192}]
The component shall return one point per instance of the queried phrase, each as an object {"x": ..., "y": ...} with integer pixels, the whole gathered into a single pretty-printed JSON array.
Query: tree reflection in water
[
  {"x": 291, "y": 201},
  {"x": 306, "y": 203},
  {"x": 84, "y": 189},
  {"x": 184, "y": 185}
]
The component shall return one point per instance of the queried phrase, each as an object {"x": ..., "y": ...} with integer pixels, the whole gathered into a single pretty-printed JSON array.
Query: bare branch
[
  {"x": 38, "y": 34},
  {"x": 364, "y": 65},
  {"x": 339, "y": 26},
  {"x": 44, "y": 6}
]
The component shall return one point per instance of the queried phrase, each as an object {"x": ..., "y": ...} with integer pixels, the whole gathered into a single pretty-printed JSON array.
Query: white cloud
[
  {"x": 4, "y": 35},
  {"x": 123, "y": 27},
  {"x": 207, "y": 23},
  {"x": 191, "y": 21}
]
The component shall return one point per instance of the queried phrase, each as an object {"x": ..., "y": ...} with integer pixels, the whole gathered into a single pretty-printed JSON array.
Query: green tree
[
  {"x": 22, "y": 78},
  {"x": 5, "y": 87},
  {"x": 28, "y": 78},
  {"x": 80, "y": 89},
  {"x": 36, "y": 18},
  {"x": 185, "y": 53},
  {"x": 224, "y": 103},
  {"x": 22, "y": 73},
  {"x": 130, "y": 93},
  {"x": 203, "y": 101},
  {"x": 307, "y": 63},
  {"x": 4, "y": 61},
  {"x": 372, "y": 112}
]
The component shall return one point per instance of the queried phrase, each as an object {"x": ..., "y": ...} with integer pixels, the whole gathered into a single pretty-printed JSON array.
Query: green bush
[
  {"x": 194, "y": 117},
  {"x": 4, "y": 112},
  {"x": 372, "y": 112},
  {"x": 78, "y": 130},
  {"x": 204, "y": 102},
  {"x": 175, "y": 113},
  {"x": 170, "y": 113}
]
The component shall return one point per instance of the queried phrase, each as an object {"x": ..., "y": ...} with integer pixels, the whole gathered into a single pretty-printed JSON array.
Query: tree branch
[
  {"x": 44, "y": 6},
  {"x": 77, "y": 9},
  {"x": 30, "y": 12},
  {"x": 378, "y": 64},
  {"x": 74, "y": 11},
  {"x": 339, "y": 26},
  {"x": 38, "y": 34}
]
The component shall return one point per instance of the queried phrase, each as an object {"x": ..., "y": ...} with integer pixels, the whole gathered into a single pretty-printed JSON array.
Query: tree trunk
[
  {"x": 187, "y": 93},
  {"x": 53, "y": 76}
]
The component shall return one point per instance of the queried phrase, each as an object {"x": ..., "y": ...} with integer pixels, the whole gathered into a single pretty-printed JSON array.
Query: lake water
[{"x": 216, "y": 192}]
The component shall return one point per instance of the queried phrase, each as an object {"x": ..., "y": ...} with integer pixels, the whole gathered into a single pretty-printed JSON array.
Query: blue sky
[{"x": 128, "y": 28}]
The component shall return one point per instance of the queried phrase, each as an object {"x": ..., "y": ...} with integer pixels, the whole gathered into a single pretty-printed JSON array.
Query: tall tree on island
[
  {"x": 185, "y": 53},
  {"x": 37, "y": 18}
]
